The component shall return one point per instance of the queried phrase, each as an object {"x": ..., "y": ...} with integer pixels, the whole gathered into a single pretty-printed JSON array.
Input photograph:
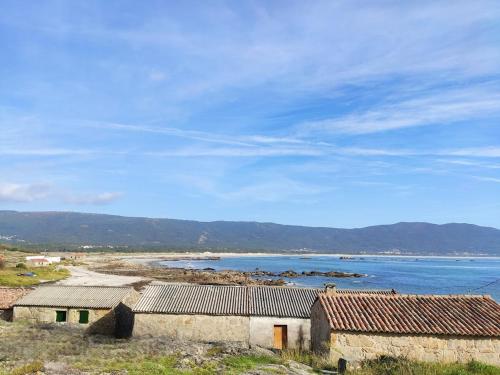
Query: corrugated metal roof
[
  {"x": 413, "y": 314},
  {"x": 281, "y": 301},
  {"x": 104, "y": 297},
  {"x": 232, "y": 300},
  {"x": 194, "y": 299}
]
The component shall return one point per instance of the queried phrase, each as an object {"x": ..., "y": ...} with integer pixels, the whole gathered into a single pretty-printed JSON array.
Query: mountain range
[{"x": 98, "y": 230}]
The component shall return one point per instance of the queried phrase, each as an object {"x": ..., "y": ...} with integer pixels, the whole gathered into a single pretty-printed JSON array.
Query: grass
[
  {"x": 393, "y": 366},
  {"x": 8, "y": 276},
  {"x": 241, "y": 363},
  {"x": 25, "y": 346},
  {"x": 402, "y": 366},
  {"x": 29, "y": 368},
  {"x": 315, "y": 361}
]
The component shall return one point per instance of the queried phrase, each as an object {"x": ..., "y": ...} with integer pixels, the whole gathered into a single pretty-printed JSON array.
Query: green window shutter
[
  {"x": 60, "y": 316},
  {"x": 84, "y": 317}
]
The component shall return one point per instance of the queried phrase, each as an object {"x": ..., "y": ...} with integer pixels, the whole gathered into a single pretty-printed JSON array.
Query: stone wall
[
  {"x": 357, "y": 346},
  {"x": 193, "y": 327},
  {"x": 320, "y": 329},
  {"x": 100, "y": 321},
  {"x": 262, "y": 331}
]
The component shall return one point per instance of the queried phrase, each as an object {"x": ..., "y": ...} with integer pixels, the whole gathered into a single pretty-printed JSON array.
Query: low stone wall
[
  {"x": 357, "y": 346},
  {"x": 298, "y": 332},
  {"x": 193, "y": 327},
  {"x": 100, "y": 321}
]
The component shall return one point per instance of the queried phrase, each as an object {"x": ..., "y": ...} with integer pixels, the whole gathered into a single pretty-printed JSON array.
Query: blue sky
[{"x": 324, "y": 113}]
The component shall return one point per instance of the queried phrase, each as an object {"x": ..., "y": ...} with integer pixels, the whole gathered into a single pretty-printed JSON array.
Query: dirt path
[{"x": 83, "y": 276}]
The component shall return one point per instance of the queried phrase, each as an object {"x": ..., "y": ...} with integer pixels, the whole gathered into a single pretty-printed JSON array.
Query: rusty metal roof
[
  {"x": 231, "y": 300},
  {"x": 97, "y": 297},
  {"x": 413, "y": 314}
]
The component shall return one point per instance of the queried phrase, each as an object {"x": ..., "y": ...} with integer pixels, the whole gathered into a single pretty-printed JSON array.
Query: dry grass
[
  {"x": 402, "y": 366},
  {"x": 317, "y": 362},
  {"x": 24, "y": 346}
]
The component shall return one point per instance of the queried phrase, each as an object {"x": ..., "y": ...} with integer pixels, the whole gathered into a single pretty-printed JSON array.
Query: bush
[{"x": 21, "y": 266}]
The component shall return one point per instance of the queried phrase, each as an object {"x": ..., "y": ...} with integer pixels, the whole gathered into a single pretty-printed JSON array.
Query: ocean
[{"x": 422, "y": 275}]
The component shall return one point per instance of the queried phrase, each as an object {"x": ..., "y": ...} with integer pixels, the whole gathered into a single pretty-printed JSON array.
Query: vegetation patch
[
  {"x": 317, "y": 362},
  {"x": 63, "y": 347},
  {"x": 30, "y": 368},
  {"x": 12, "y": 276},
  {"x": 402, "y": 366},
  {"x": 241, "y": 363}
]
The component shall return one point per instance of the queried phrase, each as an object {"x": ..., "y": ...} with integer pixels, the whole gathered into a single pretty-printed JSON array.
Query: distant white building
[
  {"x": 43, "y": 259},
  {"x": 53, "y": 259}
]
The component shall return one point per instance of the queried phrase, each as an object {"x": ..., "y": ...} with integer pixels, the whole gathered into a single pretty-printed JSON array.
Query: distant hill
[{"x": 76, "y": 229}]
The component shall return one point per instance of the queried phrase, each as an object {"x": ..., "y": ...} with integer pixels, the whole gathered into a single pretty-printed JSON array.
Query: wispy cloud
[
  {"x": 482, "y": 152},
  {"x": 470, "y": 163},
  {"x": 436, "y": 109},
  {"x": 210, "y": 137}
]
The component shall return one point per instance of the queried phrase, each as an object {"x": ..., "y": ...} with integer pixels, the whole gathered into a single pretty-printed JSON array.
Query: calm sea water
[{"x": 406, "y": 275}]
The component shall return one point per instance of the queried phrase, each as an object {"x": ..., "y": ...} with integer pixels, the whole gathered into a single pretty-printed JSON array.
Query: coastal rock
[{"x": 289, "y": 273}]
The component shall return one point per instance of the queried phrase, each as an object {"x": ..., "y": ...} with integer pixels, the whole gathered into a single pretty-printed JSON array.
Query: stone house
[
  {"x": 37, "y": 261},
  {"x": 272, "y": 317},
  {"x": 265, "y": 316},
  {"x": 94, "y": 309},
  {"x": 420, "y": 327},
  {"x": 9, "y": 296}
]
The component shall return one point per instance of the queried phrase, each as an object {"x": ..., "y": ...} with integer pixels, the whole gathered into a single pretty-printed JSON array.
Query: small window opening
[
  {"x": 60, "y": 316},
  {"x": 84, "y": 317}
]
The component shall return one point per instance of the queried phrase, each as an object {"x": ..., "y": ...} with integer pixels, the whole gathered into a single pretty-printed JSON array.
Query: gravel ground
[{"x": 83, "y": 276}]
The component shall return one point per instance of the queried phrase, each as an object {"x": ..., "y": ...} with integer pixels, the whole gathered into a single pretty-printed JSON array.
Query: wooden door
[{"x": 280, "y": 337}]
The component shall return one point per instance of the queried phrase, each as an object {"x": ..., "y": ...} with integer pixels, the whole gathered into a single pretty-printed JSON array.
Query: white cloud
[
  {"x": 15, "y": 192},
  {"x": 10, "y": 192}
]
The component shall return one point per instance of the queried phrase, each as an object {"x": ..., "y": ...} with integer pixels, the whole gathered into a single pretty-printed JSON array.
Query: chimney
[{"x": 331, "y": 289}]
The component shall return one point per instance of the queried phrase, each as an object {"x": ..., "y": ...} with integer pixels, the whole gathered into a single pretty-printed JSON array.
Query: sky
[{"x": 319, "y": 113}]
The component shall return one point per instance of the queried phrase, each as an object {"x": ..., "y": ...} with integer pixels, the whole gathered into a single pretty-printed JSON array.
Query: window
[
  {"x": 84, "y": 317},
  {"x": 60, "y": 316}
]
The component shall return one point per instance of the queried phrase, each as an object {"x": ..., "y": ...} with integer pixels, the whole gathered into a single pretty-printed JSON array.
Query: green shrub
[{"x": 21, "y": 266}]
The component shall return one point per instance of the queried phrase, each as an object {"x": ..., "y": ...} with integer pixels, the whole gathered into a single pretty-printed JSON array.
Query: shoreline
[{"x": 167, "y": 256}]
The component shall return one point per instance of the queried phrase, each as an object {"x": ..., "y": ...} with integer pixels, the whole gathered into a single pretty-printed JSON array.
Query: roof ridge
[
  {"x": 409, "y": 295},
  {"x": 83, "y": 286}
]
